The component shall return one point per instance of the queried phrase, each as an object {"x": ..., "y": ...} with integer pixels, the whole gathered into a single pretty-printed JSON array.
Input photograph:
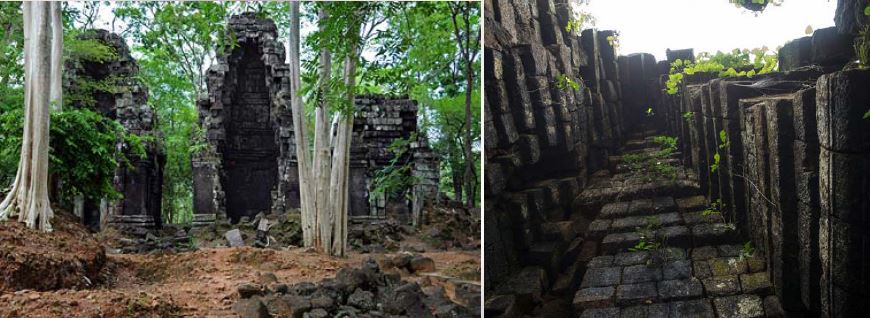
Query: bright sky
[{"x": 652, "y": 26}]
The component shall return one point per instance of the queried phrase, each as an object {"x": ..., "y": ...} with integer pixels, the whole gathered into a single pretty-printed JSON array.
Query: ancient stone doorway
[{"x": 251, "y": 154}]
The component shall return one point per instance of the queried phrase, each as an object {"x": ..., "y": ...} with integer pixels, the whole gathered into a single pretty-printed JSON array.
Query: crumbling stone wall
[
  {"x": 543, "y": 141},
  {"x": 141, "y": 184},
  {"x": 378, "y": 122},
  {"x": 793, "y": 175},
  {"x": 249, "y": 165}
]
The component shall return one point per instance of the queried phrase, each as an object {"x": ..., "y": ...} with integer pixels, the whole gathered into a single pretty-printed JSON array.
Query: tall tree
[
  {"x": 343, "y": 28},
  {"x": 467, "y": 38},
  {"x": 28, "y": 198}
]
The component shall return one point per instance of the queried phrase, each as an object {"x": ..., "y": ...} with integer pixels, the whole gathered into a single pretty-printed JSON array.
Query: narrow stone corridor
[{"x": 664, "y": 252}]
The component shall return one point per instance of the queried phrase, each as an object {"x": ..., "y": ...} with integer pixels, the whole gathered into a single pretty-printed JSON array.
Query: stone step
[{"x": 671, "y": 236}]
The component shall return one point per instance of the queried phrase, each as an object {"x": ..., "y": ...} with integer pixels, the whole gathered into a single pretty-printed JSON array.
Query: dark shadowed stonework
[
  {"x": 141, "y": 184},
  {"x": 791, "y": 181}
]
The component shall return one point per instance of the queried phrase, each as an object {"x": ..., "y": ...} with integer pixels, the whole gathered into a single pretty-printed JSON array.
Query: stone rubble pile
[{"x": 354, "y": 292}]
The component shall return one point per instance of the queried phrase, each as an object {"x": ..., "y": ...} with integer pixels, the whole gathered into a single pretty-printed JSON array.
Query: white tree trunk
[
  {"x": 306, "y": 190},
  {"x": 323, "y": 182},
  {"x": 56, "y": 92},
  {"x": 322, "y": 153},
  {"x": 28, "y": 198}
]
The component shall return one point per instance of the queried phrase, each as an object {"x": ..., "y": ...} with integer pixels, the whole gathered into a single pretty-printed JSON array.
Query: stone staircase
[{"x": 700, "y": 268}]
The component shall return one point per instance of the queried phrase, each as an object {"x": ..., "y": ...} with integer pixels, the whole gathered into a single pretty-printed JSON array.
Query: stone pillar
[
  {"x": 806, "y": 164},
  {"x": 844, "y": 137}
]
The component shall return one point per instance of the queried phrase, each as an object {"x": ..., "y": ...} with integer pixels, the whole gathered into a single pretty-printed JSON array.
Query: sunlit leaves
[{"x": 749, "y": 62}]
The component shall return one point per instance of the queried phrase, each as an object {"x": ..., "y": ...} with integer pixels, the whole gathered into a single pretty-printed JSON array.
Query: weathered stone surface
[
  {"x": 850, "y": 16},
  {"x": 640, "y": 274},
  {"x": 600, "y": 313},
  {"x": 721, "y": 285},
  {"x": 841, "y": 103},
  {"x": 727, "y": 266},
  {"x": 680, "y": 289},
  {"x": 594, "y": 297},
  {"x": 631, "y": 258},
  {"x": 692, "y": 308},
  {"x": 599, "y": 277},
  {"x": 234, "y": 238},
  {"x": 612, "y": 210},
  {"x": 679, "y": 269},
  {"x": 742, "y": 306},
  {"x": 756, "y": 283},
  {"x": 140, "y": 182},
  {"x": 635, "y": 293},
  {"x": 795, "y": 53},
  {"x": 601, "y": 261},
  {"x": 829, "y": 47}
]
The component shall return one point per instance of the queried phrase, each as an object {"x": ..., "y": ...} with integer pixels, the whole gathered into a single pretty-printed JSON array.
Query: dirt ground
[{"x": 196, "y": 284}]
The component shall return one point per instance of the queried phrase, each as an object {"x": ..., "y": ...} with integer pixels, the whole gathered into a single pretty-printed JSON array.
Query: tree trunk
[
  {"x": 469, "y": 163},
  {"x": 306, "y": 191},
  {"x": 322, "y": 162},
  {"x": 28, "y": 198},
  {"x": 56, "y": 92}
]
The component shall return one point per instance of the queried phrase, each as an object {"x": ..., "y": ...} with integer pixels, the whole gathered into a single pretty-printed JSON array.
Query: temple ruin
[
  {"x": 141, "y": 184},
  {"x": 249, "y": 164}
]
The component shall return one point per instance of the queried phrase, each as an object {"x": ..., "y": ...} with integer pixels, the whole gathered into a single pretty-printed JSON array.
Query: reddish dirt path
[{"x": 196, "y": 284}]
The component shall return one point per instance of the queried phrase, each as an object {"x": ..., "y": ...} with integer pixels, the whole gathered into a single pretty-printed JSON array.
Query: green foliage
[
  {"x": 613, "y": 40},
  {"x": 724, "y": 143},
  {"x": 564, "y": 82},
  {"x": 689, "y": 117},
  {"x": 650, "y": 165},
  {"x": 867, "y": 114},
  {"x": 713, "y": 209},
  {"x": 715, "y": 165},
  {"x": 649, "y": 112},
  {"x": 395, "y": 178},
  {"x": 747, "y": 251},
  {"x": 666, "y": 142},
  {"x": 83, "y": 150},
  {"x": 649, "y": 240},
  {"x": 757, "y": 61},
  {"x": 580, "y": 17},
  {"x": 867, "y": 10}
]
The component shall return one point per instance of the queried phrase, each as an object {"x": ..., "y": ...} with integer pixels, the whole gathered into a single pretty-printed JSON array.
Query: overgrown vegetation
[
  {"x": 740, "y": 63},
  {"x": 649, "y": 166},
  {"x": 413, "y": 51},
  {"x": 649, "y": 238},
  {"x": 83, "y": 151},
  {"x": 714, "y": 211},
  {"x": 396, "y": 179},
  {"x": 689, "y": 117}
]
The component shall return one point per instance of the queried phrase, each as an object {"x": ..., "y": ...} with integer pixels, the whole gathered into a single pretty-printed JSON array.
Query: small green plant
[
  {"x": 666, "y": 142},
  {"x": 649, "y": 241},
  {"x": 689, "y": 117},
  {"x": 747, "y": 251},
  {"x": 867, "y": 114},
  {"x": 564, "y": 82},
  {"x": 713, "y": 209},
  {"x": 649, "y": 112},
  {"x": 723, "y": 137},
  {"x": 715, "y": 165},
  {"x": 613, "y": 40},
  {"x": 724, "y": 143}
]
